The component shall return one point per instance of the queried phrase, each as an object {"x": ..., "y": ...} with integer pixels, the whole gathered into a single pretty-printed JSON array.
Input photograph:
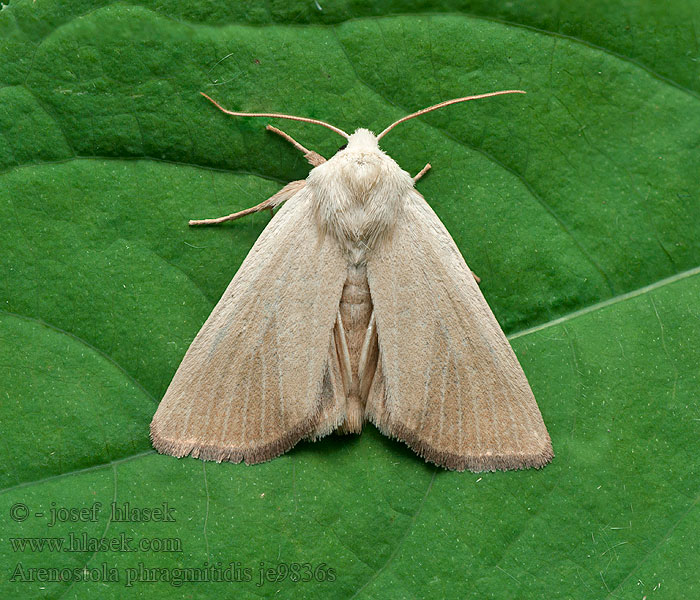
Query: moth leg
[
  {"x": 275, "y": 200},
  {"x": 314, "y": 158},
  {"x": 343, "y": 354},
  {"x": 476, "y": 277},
  {"x": 368, "y": 358},
  {"x": 422, "y": 172}
]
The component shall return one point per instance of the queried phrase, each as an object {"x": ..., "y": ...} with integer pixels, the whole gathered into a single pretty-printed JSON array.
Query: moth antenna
[
  {"x": 445, "y": 103},
  {"x": 276, "y": 116}
]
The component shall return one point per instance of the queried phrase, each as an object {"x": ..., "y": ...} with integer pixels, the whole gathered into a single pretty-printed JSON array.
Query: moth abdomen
[{"x": 355, "y": 316}]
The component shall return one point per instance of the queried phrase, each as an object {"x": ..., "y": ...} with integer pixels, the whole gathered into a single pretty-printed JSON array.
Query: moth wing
[
  {"x": 259, "y": 375},
  {"x": 447, "y": 381}
]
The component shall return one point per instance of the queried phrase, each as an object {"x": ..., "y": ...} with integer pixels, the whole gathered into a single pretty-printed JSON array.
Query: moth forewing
[
  {"x": 257, "y": 377},
  {"x": 451, "y": 385}
]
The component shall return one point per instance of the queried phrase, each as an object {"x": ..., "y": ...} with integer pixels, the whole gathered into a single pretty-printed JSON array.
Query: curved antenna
[
  {"x": 446, "y": 103},
  {"x": 276, "y": 116}
]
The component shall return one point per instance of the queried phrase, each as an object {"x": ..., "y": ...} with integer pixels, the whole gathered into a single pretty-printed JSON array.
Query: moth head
[
  {"x": 360, "y": 161},
  {"x": 363, "y": 140}
]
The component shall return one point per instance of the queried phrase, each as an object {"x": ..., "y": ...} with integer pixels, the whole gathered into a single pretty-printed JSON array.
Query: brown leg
[
  {"x": 422, "y": 172},
  {"x": 314, "y": 158},
  {"x": 284, "y": 194}
]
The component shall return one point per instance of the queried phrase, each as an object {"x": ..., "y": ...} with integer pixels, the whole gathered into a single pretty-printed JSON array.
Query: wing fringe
[
  {"x": 219, "y": 453},
  {"x": 456, "y": 462}
]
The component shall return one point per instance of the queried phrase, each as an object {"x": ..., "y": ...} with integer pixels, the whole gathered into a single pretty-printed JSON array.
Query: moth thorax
[
  {"x": 362, "y": 173},
  {"x": 358, "y": 219},
  {"x": 358, "y": 196}
]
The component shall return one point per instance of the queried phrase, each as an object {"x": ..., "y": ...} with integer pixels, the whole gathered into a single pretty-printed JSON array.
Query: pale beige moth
[{"x": 353, "y": 305}]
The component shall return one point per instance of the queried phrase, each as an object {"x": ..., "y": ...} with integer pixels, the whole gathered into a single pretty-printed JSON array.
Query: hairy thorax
[{"x": 358, "y": 195}]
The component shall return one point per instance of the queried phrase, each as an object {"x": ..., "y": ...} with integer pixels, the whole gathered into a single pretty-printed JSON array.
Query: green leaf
[{"x": 577, "y": 204}]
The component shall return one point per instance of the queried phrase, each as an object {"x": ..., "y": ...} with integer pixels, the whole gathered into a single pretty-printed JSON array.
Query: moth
[{"x": 353, "y": 305}]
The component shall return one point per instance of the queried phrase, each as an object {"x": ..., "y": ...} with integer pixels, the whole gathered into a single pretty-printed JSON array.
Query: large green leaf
[{"x": 578, "y": 205}]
